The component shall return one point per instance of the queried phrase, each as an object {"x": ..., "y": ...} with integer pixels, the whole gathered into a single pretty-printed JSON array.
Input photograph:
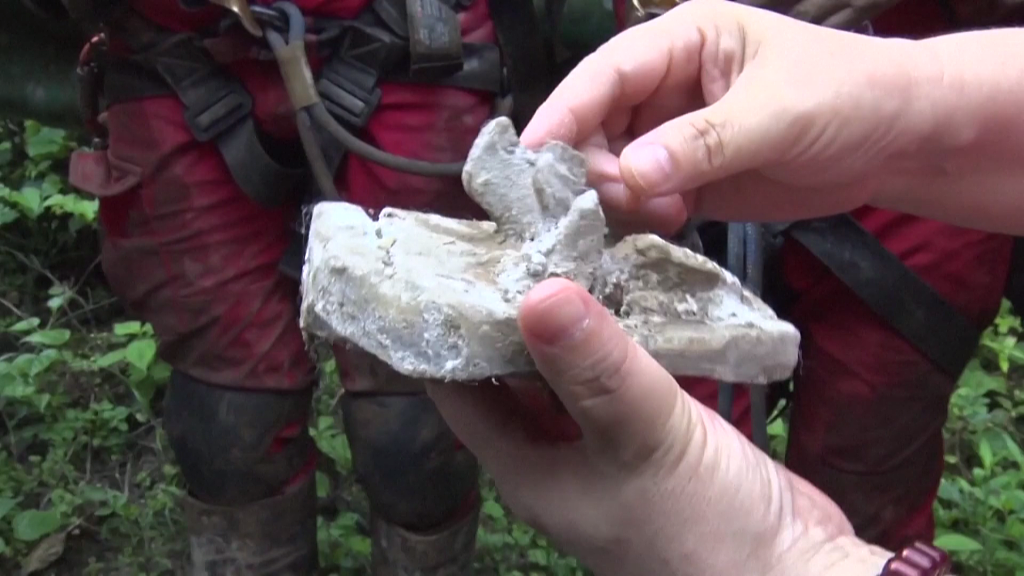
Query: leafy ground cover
[{"x": 86, "y": 481}]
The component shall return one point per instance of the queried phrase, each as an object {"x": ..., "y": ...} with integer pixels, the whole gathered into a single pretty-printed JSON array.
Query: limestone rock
[{"x": 436, "y": 297}]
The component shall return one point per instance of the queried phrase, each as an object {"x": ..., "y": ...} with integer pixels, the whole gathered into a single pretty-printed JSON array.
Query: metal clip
[
  {"x": 89, "y": 79},
  {"x": 241, "y": 9}
]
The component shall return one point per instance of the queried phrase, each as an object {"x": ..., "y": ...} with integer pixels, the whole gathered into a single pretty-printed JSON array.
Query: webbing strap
[
  {"x": 525, "y": 54},
  {"x": 891, "y": 290},
  {"x": 218, "y": 108}
]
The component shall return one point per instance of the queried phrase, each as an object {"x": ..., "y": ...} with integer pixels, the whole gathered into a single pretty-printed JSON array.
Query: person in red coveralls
[
  {"x": 202, "y": 184},
  {"x": 869, "y": 403}
]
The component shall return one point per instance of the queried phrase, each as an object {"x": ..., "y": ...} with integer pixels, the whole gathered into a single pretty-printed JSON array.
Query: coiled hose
[{"x": 312, "y": 115}]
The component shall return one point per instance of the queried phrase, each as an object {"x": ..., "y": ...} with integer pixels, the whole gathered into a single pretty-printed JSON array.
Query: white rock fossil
[{"x": 436, "y": 298}]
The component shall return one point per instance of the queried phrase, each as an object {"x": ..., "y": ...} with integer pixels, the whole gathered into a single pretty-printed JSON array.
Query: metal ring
[{"x": 270, "y": 17}]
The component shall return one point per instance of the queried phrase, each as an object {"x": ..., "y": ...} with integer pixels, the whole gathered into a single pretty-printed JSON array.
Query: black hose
[
  {"x": 315, "y": 156},
  {"x": 317, "y": 113},
  {"x": 734, "y": 262},
  {"x": 753, "y": 243},
  {"x": 296, "y": 21},
  {"x": 400, "y": 163}
]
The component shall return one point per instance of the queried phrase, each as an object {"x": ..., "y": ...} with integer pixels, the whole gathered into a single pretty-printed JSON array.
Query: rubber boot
[
  {"x": 275, "y": 537},
  {"x": 444, "y": 552}
]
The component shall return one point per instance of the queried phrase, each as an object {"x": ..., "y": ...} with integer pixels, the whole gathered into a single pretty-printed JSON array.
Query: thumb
[
  {"x": 735, "y": 134},
  {"x": 626, "y": 404}
]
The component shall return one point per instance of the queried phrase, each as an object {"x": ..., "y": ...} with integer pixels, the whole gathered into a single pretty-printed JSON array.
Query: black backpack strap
[
  {"x": 525, "y": 55},
  {"x": 218, "y": 108},
  {"x": 893, "y": 291}
]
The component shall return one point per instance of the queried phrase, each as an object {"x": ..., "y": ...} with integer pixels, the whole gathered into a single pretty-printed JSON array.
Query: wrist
[
  {"x": 844, "y": 556},
  {"x": 925, "y": 131},
  {"x": 960, "y": 134}
]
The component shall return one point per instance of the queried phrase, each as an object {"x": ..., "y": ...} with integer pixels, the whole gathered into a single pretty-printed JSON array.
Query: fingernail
[
  {"x": 560, "y": 316},
  {"x": 651, "y": 166}
]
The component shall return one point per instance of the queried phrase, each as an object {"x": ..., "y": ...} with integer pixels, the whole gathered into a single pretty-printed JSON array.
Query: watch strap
[{"x": 918, "y": 559}]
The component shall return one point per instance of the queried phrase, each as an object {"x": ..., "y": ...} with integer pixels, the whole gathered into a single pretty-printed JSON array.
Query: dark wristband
[{"x": 918, "y": 559}]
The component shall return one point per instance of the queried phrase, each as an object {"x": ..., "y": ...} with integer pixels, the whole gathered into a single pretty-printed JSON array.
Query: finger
[
  {"x": 621, "y": 398},
  {"x": 629, "y": 214},
  {"x": 546, "y": 413},
  {"x": 751, "y": 197},
  {"x": 485, "y": 417},
  {"x": 620, "y": 74},
  {"x": 739, "y": 132},
  {"x": 678, "y": 93}
]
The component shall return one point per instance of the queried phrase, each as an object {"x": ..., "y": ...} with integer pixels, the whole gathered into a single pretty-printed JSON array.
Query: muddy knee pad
[
  {"x": 237, "y": 446},
  {"x": 415, "y": 472}
]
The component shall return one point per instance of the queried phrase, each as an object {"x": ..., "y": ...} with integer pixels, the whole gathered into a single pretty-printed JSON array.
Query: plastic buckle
[
  {"x": 349, "y": 90},
  {"x": 373, "y": 46},
  {"x": 221, "y": 104},
  {"x": 435, "y": 39}
]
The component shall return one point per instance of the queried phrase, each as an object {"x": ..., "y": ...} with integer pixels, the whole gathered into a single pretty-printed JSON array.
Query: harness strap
[
  {"x": 218, "y": 109},
  {"x": 891, "y": 290},
  {"x": 525, "y": 54}
]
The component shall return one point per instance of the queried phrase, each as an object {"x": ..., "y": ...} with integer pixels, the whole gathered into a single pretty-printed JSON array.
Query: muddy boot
[
  {"x": 275, "y": 537},
  {"x": 444, "y": 552}
]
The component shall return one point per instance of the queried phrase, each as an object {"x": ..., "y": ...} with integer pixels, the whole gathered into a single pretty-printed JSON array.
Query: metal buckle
[{"x": 244, "y": 14}]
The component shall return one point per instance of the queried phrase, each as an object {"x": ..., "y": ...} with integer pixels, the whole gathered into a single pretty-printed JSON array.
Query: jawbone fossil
[{"x": 437, "y": 298}]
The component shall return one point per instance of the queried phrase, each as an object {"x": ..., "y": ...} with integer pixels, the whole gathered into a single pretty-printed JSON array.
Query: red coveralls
[
  {"x": 868, "y": 408},
  {"x": 186, "y": 250}
]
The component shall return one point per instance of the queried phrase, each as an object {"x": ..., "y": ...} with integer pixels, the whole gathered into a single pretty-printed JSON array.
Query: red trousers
[
  {"x": 868, "y": 409},
  {"x": 186, "y": 250}
]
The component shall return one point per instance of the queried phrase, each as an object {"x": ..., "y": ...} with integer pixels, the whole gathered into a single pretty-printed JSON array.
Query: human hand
[
  {"x": 728, "y": 112},
  {"x": 658, "y": 484}
]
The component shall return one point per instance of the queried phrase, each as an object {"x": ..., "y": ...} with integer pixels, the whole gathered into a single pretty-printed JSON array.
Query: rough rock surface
[{"x": 436, "y": 297}]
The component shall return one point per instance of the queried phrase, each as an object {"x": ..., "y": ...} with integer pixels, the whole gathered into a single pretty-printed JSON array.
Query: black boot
[
  {"x": 444, "y": 552},
  {"x": 276, "y": 536}
]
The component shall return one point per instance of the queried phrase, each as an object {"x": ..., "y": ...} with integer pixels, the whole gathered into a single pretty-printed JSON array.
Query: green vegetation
[{"x": 86, "y": 483}]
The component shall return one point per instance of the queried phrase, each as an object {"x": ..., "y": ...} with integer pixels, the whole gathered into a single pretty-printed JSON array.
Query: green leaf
[
  {"x": 31, "y": 525},
  {"x": 29, "y": 201},
  {"x": 323, "y": 485},
  {"x": 953, "y": 542},
  {"x": 7, "y": 215},
  {"x": 7, "y": 504},
  {"x": 26, "y": 325},
  {"x": 140, "y": 353},
  {"x": 47, "y": 142},
  {"x": 493, "y": 509},
  {"x": 54, "y": 337},
  {"x": 1013, "y": 448},
  {"x": 110, "y": 358},
  {"x": 127, "y": 328},
  {"x": 56, "y": 302},
  {"x": 985, "y": 453},
  {"x": 1017, "y": 354},
  {"x": 92, "y": 493},
  {"x": 42, "y": 361},
  {"x": 51, "y": 185}
]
